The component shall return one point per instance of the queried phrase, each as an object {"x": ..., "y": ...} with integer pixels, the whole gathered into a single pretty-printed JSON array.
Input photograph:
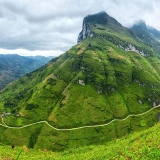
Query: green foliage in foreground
[
  {"x": 42, "y": 136},
  {"x": 140, "y": 145}
]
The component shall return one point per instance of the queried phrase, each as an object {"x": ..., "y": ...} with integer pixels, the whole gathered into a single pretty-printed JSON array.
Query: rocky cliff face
[
  {"x": 103, "y": 23},
  {"x": 131, "y": 47},
  {"x": 86, "y": 32}
]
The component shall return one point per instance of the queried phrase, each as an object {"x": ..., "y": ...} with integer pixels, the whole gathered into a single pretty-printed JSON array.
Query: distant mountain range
[
  {"x": 42, "y": 59},
  {"x": 13, "y": 66},
  {"x": 110, "y": 74}
]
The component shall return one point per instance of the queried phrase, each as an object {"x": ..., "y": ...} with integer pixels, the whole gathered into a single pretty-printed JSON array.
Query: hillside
[
  {"x": 147, "y": 34},
  {"x": 110, "y": 74},
  {"x": 14, "y": 66},
  {"x": 140, "y": 145}
]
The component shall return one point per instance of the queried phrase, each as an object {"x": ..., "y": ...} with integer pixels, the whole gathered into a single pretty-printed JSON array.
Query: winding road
[{"x": 70, "y": 129}]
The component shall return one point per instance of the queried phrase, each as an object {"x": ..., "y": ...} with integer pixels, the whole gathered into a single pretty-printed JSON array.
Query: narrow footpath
[{"x": 70, "y": 129}]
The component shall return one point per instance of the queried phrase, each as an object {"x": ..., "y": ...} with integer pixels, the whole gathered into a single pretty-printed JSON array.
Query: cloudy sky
[{"x": 50, "y": 27}]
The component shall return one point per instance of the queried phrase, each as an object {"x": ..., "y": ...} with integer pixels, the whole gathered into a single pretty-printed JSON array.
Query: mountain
[
  {"x": 101, "y": 23},
  {"x": 42, "y": 59},
  {"x": 147, "y": 34},
  {"x": 104, "y": 87},
  {"x": 14, "y": 66},
  {"x": 154, "y": 31}
]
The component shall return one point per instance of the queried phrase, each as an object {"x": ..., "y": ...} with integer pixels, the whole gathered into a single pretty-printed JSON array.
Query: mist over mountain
[{"x": 147, "y": 34}]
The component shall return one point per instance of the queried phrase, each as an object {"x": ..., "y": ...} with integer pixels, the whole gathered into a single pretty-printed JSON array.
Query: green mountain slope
[
  {"x": 108, "y": 75},
  {"x": 140, "y": 145},
  {"x": 14, "y": 66},
  {"x": 147, "y": 34}
]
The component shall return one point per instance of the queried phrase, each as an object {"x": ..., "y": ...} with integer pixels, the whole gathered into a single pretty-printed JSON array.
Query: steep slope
[
  {"x": 14, "y": 66},
  {"x": 108, "y": 75},
  {"x": 154, "y": 31},
  {"x": 135, "y": 146},
  {"x": 147, "y": 34},
  {"x": 101, "y": 23}
]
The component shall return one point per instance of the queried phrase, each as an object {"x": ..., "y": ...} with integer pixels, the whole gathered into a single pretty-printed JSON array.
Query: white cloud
[
  {"x": 52, "y": 27},
  {"x": 24, "y": 52}
]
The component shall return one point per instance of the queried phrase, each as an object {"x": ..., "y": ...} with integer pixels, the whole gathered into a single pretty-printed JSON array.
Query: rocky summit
[
  {"x": 104, "y": 87},
  {"x": 98, "y": 18}
]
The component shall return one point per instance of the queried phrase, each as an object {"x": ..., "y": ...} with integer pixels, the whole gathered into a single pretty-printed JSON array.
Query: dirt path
[{"x": 70, "y": 129}]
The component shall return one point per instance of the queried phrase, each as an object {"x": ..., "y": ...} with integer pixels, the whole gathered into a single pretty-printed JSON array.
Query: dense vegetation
[
  {"x": 94, "y": 82},
  {"x": 140, "y": 145}
]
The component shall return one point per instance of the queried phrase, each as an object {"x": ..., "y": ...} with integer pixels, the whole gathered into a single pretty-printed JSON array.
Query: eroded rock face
[
  {"x": 86, "y": 32},
  {"x": 81, "y": 82},
  {"x": 131, "y": 47},
  {"x": 98, "y": 18}
]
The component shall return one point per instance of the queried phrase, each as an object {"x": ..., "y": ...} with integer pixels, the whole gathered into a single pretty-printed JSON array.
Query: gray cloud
[{"x": 54, "y": 25}]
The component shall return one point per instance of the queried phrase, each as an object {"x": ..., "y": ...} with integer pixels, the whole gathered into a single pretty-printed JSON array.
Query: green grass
[
  {"x": 119, "y": 35},
  {"x": 140, "y": 145},
  {"x": 43, "y": 136}
]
